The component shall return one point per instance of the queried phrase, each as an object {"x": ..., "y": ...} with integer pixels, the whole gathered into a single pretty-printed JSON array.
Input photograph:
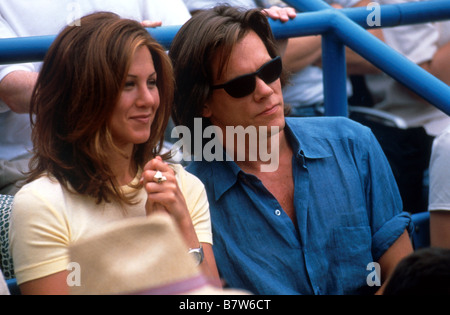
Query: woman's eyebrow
[{"x": 136, "y": 76}]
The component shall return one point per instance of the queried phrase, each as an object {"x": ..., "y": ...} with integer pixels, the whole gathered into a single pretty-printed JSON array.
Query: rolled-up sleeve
[
  {"x": 389, "y": 233},
  {"x": 388, "y": 221}
]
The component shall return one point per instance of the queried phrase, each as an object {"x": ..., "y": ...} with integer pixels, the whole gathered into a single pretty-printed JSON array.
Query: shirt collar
[
  {"x": 304, "y": 143},
  {"x": 226, "y": 173}
]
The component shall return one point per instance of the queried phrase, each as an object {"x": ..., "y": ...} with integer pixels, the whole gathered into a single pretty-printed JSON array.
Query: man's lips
[{"x": 271, "y": 110}]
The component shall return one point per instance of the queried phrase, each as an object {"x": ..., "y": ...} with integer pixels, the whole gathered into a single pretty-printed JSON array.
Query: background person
[
  {"x": 24, "y": 18},
  {"x": 424, "y": 272},
  {"x": 408, "y": 145},
  {"x": 439, "y": 201},
  {"x": 427, "y": 45},
  {"x": 3, "y": 286}
]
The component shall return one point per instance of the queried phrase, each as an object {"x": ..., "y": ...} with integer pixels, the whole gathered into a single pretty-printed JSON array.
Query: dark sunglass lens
[
  {"x": 246, "y": 84},
  {"x": 241, "y": 87},
  {"x": 271, "y": 71}
]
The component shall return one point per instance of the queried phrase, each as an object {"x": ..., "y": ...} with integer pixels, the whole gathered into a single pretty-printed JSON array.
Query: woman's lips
[{"x": 144, "y": 119}]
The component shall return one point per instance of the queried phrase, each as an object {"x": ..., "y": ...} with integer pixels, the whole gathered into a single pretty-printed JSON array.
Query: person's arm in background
[
  {"x": 16, "y": 89},
  {"x": 307, "y": 50},
  {"x": 16, "y": 80},
  {"x": 356, "y": 64},
  {"x": 439, "y": 66},
  {"x": 440, "y": 228},
  {"x": 302, "y": 52},
  {"x": 298, "y": 52}
]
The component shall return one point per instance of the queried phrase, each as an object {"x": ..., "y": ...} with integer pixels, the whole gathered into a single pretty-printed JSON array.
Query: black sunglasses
[{"x": 245, "y": 85}]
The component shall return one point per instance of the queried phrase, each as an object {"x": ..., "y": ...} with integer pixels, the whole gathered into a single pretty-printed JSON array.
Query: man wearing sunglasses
[{"x": 329, "y": 211}]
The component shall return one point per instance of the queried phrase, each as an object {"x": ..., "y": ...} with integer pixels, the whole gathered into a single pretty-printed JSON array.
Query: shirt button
[{"x": 277, "y": 213}]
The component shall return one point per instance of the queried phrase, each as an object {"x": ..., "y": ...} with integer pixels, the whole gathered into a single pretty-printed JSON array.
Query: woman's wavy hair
[
  {"x": 207, "y": 35},
  {"x": 82, "y": 77}
]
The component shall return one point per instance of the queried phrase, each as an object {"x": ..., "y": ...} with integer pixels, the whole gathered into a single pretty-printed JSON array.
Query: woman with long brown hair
[{"x": 100, "y": 108}]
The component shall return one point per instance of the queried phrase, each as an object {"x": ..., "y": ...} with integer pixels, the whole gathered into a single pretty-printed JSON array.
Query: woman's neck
[{"x": 123, "y": 166}]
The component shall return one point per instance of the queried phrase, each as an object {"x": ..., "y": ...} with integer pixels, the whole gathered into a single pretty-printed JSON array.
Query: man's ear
[{"x": 206, "y": 112}]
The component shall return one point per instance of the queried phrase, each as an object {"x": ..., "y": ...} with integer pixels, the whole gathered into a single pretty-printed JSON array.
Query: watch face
[{"x": 198, "y": 255}]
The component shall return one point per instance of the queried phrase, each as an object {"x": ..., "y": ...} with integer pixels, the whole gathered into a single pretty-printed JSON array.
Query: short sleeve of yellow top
[{"x": 46, "y": 219}]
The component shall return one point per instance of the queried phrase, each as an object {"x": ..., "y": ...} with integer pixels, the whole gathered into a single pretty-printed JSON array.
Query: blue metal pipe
[
  {"x": 27, "y": 49},
  {"x": 402, "y": 14},
  {"x": 392, "y": 62},
  {"x": 313, "y": 23},
  {"x": 334, "y": 76},
  {"x": 340, "y": 22},
  {"x": 391, "y": 15},
  {"x": 34, "y": 48},
  {"x": 164, "y": 35},
  {"x": 24, "y": 49},
  {"x": 307, "y": 5},
  {"x": 305, "y": 24}
]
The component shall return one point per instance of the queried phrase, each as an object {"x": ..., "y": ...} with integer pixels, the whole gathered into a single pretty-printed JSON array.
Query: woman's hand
[{"x": 164, "y": 195}]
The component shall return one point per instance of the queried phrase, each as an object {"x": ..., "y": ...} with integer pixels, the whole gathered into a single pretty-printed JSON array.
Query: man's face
[{"x": 264, "y": 106}]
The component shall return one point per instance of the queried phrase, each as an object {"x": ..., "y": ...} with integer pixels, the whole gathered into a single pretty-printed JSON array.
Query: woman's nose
[{"x": 146, "y": 96}]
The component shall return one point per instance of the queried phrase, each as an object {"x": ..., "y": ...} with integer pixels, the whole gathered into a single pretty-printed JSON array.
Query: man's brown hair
[{"x": 207, "y": 35}]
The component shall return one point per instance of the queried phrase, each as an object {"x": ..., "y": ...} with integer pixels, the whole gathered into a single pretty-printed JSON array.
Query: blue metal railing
[
  {"x": 346, "y": 27},
  {"x": 339, "y": 28}
]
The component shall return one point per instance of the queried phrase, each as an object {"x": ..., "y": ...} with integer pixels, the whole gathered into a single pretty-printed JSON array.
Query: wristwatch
[{"x": 197, "y": 254}]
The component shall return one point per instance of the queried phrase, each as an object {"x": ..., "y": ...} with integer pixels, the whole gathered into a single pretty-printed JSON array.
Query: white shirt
[
  {"x": 306, "y": 86},
  {"x": 3, "y": 286},
  {"x": 194, "y": 5},
  {"x": 439, "y": 198},
  {"x": 46, "y": 219},
  {"x": 21, "y": 18},
  {"x": 418, "y": 43}
]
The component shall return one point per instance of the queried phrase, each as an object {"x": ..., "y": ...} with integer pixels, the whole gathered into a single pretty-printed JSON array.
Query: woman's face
[{"x": 139, "y": 100}]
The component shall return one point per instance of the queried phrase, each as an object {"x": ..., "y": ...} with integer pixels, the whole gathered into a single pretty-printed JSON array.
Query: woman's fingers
[{"x": 159, "y": 181}]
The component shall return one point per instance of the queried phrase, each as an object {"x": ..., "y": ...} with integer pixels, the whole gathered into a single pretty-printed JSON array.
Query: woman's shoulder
[
  {"x": 38, "y": 203},
  {"x": 44, "y": 188},
  {"x": 42, "y": 183},
  {"x": 182, "y": 174},
  {"x": 186, "y": 180}
]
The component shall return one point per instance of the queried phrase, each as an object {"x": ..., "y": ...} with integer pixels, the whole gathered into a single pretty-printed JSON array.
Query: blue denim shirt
[{"x": 349, "y": 212}]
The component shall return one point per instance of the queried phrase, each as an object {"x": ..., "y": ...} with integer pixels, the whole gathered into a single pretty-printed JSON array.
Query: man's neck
[{"x": 279, "y": 152}]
